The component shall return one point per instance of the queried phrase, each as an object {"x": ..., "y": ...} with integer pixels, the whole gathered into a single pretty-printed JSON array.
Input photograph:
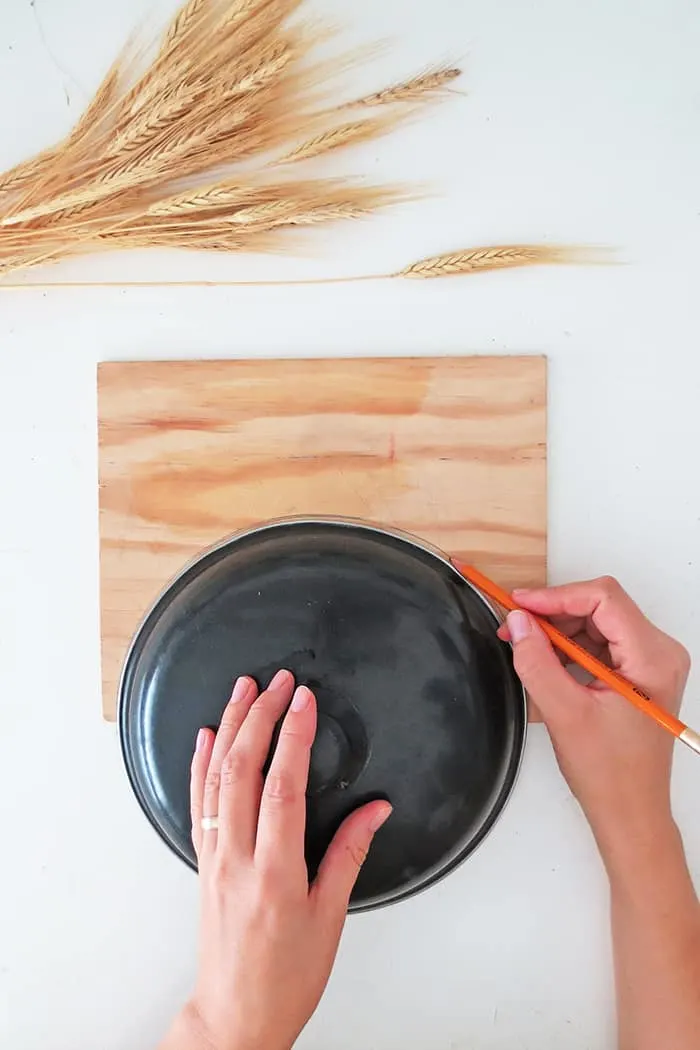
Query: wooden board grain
[{"x": 451, "y": 449}]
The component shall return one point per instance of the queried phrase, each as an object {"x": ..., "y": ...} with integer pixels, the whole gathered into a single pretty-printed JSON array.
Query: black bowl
[{"x": 418, "y": 700}]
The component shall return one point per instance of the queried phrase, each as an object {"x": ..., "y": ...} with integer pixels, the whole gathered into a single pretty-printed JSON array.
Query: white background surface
[{"x": 581, "y": 124}]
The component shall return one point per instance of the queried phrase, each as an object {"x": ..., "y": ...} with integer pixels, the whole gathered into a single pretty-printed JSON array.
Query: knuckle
[
  {"x": 212, "y": 781},
  {"x": 221, "y": 870},
  {"x": 269, "y": 908},
  {"x": 235, "y": 768},
  {"x": 261, "y": 714},
  {"x": 683, "y": 660},
  {"x": 268, "y": 884},
  {"x": 609, "y": 586},
  {"x": 265, "y": 702},
  {"x": 229, "y": 724},
  {"x": 526, "y": 658},
  {"x": 292, "y": 733},
  {"x": 357, "y": 852},
  {"x": 279, "y": 788}
]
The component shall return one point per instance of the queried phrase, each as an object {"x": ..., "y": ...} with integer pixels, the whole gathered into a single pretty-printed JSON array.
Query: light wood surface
[{"x": 451, "y": 449}]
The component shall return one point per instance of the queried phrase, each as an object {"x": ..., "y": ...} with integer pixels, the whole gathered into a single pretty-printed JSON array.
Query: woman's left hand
[{"x": 268, "y": 938}]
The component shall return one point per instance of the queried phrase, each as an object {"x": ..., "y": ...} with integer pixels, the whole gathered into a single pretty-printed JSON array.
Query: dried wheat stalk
[
  {"x": 182, "y": 153},
  {"x": 467, "y": 261},
  {"x": 347, "y": 134},
  {"x": 498, "y": 257},
  {"x": 415, "y": 90}
]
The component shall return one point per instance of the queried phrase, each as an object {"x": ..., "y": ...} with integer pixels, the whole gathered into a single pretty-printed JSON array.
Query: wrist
[
  {"x": 631, "y": 830},
  {"x": 636, "y": 857},
  {"x": 187, "y": 1032}
]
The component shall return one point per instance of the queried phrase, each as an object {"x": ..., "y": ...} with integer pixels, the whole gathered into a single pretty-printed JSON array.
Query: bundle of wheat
[{"x": 204, "y": 148}]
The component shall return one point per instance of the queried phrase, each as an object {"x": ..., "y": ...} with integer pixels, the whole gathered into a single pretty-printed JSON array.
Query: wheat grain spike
[
  {"x": 417, "y": 89},
  {"x": 17, "y": 177},
  {"x": 184, "y": 21},
  {"x": 492, "y": 257},
  {"x": 348, "y": 134},
  {"x": 323, "y": 213},
  {"x": 220, "y": 195},
  {"x": 180, "y": 152},
  {"x": 149, "y": 123},
  {"x": 263, "y": 67}
]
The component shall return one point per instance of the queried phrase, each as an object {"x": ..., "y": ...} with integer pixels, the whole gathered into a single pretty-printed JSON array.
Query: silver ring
[{"x": 210, "y": 823}]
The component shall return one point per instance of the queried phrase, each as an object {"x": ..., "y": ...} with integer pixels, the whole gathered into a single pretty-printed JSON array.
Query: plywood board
[{"x": 451, "y": 449}]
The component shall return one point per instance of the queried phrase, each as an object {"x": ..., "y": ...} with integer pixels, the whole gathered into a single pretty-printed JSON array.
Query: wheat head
[
  {"x": 493, "y": 257},
  {"x": 417, "y": 89},
  {"x": 181, "y": 153}
]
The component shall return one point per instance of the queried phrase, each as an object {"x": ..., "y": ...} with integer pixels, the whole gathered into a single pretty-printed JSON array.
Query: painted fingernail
[
  {"x": 201, "y": 739},
  {"x": 301, "y": 698},
  {"x": 380, "y": 818},
  {"x": 280, "y": 679},
  {"x": 519, "y": 625}
]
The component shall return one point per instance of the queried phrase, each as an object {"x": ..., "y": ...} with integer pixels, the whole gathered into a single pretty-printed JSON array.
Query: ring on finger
[{"x": 209, "y": 823}]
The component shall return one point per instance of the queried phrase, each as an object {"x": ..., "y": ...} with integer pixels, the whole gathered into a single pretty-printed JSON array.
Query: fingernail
[
  {"x": 519, "y": 625},
  {"x": 520, "y": 590},
  {"x": 301, "y": 698},
  {"x": 201, "y": 739},
  {"x": 240, "y": 689},
  {"x": 280, "y": 679},
  {"x": 380, "y": 818}
]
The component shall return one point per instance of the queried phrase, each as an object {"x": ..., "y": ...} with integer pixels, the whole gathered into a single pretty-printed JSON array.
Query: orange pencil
[{"x": 586, "y": 660}]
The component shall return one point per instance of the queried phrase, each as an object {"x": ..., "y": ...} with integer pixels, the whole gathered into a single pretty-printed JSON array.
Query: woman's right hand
[{"x": 616, "y": 760}]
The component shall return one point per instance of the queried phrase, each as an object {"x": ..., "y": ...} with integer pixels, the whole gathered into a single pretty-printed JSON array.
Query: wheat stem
[{"x": 509, "y": 256}]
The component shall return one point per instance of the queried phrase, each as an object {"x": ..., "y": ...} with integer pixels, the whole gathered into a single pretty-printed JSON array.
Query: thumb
[
  {"x": 338, "y": 871},
  {"x": 558, "y": 697}
]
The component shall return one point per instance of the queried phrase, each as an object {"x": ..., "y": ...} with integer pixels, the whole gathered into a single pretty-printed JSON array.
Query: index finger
[
  {"x": 609, "y": 607},
  {"x": 638, "y": 649},
  {"x": 282, "y": 819}
]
